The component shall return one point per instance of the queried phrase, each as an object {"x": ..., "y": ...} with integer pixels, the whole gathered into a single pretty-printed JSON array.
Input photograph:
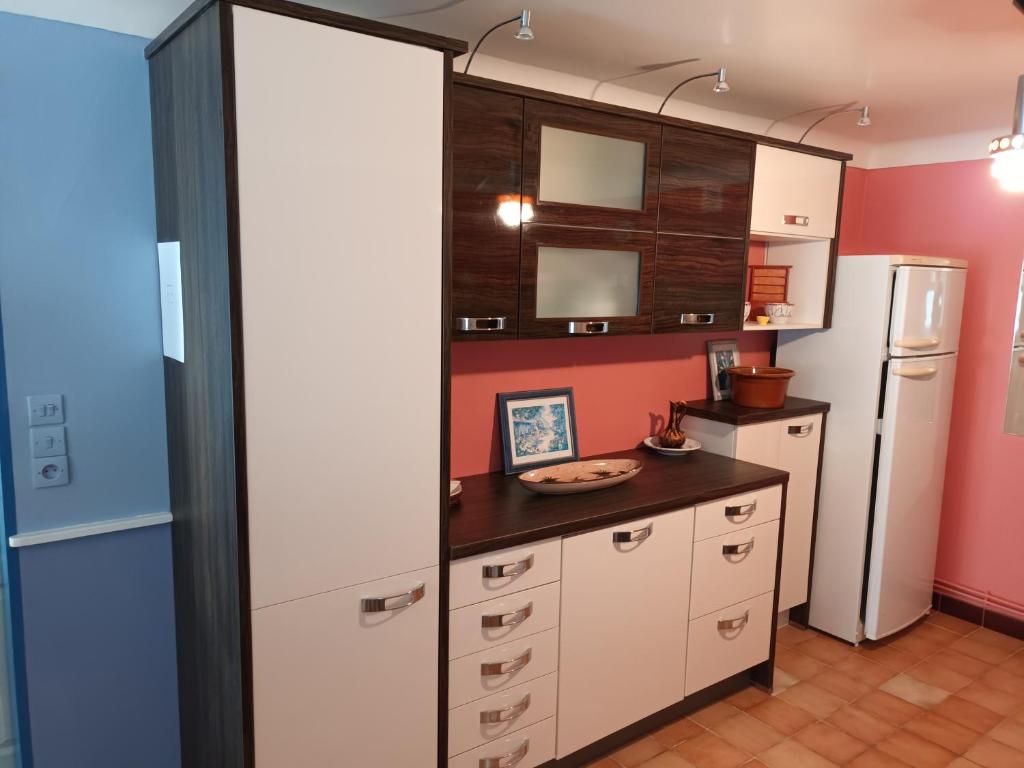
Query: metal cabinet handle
[
  {"x": 506, "y": 714},
  {"x": 510, "y": 760},
  {"x": 517, "y": 568},
  {"x": 588, "y": 328},
  {"x": 738, "y": 549},
  {"x": 915, "y": 373},
  {"x": 916, "y": 343},
  {"x": 726, "y": 624},
  {"x": 394, "y": 602},
  {"x": 801, "y": 430},
  {"x": 494, "y": 620},
  {"x": 794, "y": 220},
  {"x": 496, "y": 668},
  {"x": 741, "y": 510},
  {"x": 628, "y": 537},
  {"x": 485, "y": 324},
  {"x": 697, "y": 318}
]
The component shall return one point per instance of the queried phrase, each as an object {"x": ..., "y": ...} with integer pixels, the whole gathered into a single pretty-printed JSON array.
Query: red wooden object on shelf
[{"x": 766, "y": 284}]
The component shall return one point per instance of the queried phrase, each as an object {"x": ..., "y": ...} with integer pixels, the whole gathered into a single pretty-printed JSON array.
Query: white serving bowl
[{"x": 779, "y": 312}]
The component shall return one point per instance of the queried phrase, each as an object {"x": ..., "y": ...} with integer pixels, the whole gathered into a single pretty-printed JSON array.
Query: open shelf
[
  {"x": 808, "y": 278},
  {"x": 783, "y": 327}
]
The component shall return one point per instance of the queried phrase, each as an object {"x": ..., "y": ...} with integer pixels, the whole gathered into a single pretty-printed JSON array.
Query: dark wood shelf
[
  {"x": 498, "y": 512},
  {"x": 727, "y": 412}
]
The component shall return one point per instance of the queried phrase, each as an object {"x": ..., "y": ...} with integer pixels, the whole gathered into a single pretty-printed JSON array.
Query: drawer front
[
  {"x": 733, "y": 567},
  {"x": 536, "y": 744},
  {"x": 735, "y": 513},
  {"x": 530, "y": 566},
  {"x": 715, "y": 654},
  {"x": 506, "y": 712},
  {"x": 531, "y": 657},
  {"x": 509, "y": 618}
]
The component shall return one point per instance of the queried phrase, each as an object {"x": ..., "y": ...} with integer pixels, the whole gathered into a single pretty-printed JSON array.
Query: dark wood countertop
[
  {"x": 497, "y": 511},
  {"x": 727, "y": 412}
]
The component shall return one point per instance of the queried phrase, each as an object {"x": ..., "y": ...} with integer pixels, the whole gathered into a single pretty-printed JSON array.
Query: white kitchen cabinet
[
  {"x": 795, "y": 194},
  {"x": 625, "y": 610},
  {"x": 728, "y": 641},
  {"x": 733, "y": 567},
  {"x": 502, "y": 620},
  {"x": 527, "y": 748},
  {"x": 493, "y": 574},
  {"x": 494, "y": 717}
]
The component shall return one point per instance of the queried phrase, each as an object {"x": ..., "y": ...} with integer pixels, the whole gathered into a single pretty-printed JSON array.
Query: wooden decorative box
[{"x": 766, "y": 284}]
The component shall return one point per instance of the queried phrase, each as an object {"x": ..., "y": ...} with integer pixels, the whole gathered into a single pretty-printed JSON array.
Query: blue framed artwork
[{"x": 538, "y": 428}]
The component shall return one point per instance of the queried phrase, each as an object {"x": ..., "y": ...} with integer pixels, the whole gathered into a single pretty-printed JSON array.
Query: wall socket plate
[
  {"x": 48, "y": 441},
  {"x": 45, "y": 409},
  {"x": 47, "y": 473}
]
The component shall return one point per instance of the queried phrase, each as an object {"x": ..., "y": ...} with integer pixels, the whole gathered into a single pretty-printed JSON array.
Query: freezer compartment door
[
  {"x": 908, "y": 499},
  {"x": 1014, "y": 423},
  {"x": 926, "y": 307}
]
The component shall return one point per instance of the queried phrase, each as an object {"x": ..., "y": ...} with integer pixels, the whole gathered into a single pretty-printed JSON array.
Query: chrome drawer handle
[
  {"x": 738, "y": 549},
  {"x": 518, "y": 568},
  {"x": 697, "y": 318},
  {"x": 726, "y": 624},
  {"x": 510, "y": 760},
  {"x": 496, "y": 668},
  {"x": 506, "y": 714},
  {"x": 394, "y": 602},
  {"x": 741, "y": 510},
  {"x": 796, "y": 221},
  {"x": 486, "y": 324},
  {"x": 800, "y": 430},
  {"x": 629, "y": 537},
  {"x": 494, "y": 620},
  {"x": 588, "y": 328}
]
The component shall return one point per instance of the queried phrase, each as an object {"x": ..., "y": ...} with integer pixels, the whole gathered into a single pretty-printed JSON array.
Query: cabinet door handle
[
  {"x": 494, "y": 620},
  {"x": 517, "y": 568},
  {"x": 737, "y": 623},
  {"x": 794, "y": 220},
  {"x": 496, "y": 668},
  {"x": 800, "y": 430},
  {"x": 915, "y": 373},
  {"x": 588, "y": 328},
  {"x": 506, "y": 714},
  {"x": 916, "y": 343},
  {"x": 484, "y": 324},
  {"x": 741, "y": 510},
  {"x": 394, "y": 602},
  {"x": 510, "y": 760},
  {"x": 738, "y": 549},
  {"x": 697, "y": 318},
  {"x": 628, "y": 537}
]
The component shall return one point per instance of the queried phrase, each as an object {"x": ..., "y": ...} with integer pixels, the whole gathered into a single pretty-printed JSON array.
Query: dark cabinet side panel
[{"x": 700, "y": 276}]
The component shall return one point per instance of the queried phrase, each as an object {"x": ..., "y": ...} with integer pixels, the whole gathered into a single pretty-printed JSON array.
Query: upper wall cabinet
[
  {"x": 698, "y": 284},
  {"x": 486, "y": 180},
  {"x": 590, "y": 169},
  {"x": 795, "y": 194},
  {"x": 705, "y": 184}
]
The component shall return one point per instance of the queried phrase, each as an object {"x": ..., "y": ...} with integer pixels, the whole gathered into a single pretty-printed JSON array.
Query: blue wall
[{"x": 80, "y": 310}]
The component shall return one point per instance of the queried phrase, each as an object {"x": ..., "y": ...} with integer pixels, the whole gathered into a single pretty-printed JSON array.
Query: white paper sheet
[{"x": 172, "y": 312}]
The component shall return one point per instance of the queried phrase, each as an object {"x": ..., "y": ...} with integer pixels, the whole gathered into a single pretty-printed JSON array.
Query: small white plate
[{"x": 688, "y": 447}]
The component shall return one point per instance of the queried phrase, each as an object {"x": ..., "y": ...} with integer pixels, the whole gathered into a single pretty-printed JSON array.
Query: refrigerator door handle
[
  {"x": 915, "y": 373},
  {"x": 917, "y": 343}
]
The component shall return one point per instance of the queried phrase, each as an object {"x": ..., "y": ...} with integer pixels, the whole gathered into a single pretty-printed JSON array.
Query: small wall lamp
[
  {"x": 525, "y": 32},
  {"x": 1007, "y": 152},
  {"x": 721, "y": 85},
  {"x": 863, "y": 121}
]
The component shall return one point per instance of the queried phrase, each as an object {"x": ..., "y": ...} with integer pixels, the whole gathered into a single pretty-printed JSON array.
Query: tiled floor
[{"x": 942, "y": 693}]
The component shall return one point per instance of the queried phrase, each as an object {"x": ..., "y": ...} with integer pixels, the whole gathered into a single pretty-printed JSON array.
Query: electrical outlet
[
  {"x": 45, "y": 409},
  {"x": 49, "y": 472},
  {"x": 48, "y": 441}
]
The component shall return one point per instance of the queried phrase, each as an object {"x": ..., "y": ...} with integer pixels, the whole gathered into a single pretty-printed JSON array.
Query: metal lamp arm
[
  {"x": 823, "y": 118},
  {"x": 687, "y": 80},
  {"x": 477, "y": 46}
]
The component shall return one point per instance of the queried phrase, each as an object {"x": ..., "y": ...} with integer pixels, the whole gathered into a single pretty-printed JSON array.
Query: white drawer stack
[
  {"x": 735, "y": 553},
  {"x": 503, "y": 657}
]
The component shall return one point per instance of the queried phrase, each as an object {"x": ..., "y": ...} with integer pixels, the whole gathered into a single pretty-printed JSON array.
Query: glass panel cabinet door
[
  {"x": 699, "y": 284},
  {"x": 585, "y": 282},
  {"x": 583, "y": 168}
]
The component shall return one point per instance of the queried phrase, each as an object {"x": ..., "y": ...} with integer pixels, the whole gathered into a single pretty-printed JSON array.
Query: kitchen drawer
[
  {"x": 523, "y": 613},
  {"x": 467, "y": 682},
  {"x": 523, "y": 705},
  {"x": 715, "y": 654},
  {"x": 723, "y": 576},
  {"x": 536, "y": 744},
  {"x": 734, "y": 514},
  {"x": 532, "y": 565}
]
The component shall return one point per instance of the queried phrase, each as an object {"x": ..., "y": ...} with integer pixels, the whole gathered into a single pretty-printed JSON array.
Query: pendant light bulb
[
  {"x": 525, "y": 31},
  {"x": 721, "y": 85},
  {"x": 1007, "y": 152}
]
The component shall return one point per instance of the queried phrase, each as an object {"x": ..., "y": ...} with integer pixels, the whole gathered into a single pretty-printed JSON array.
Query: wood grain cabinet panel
[
  {"x": 705, "y": 184},
  {"x": 698, "y": 284}
]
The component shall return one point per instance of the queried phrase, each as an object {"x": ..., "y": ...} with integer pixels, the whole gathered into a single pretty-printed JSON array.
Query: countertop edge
[{"x": 774, "y": 414}]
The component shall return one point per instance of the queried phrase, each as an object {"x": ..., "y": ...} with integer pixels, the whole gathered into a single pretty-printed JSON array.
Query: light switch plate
[
  {"x": 46, "y": 473},
  {"x": 48, "y": 441},
  {"x": 45, "y": 409}
]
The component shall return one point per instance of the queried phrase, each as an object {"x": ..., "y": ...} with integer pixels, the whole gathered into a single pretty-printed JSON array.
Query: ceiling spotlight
[
  {"x": 865, "y": 117},
  {"x": 863, "y": 121},
  {"x": 1007, "y": 152},
  {"x": 721, "y": 85},
  {"x": 525, "y": 32}
]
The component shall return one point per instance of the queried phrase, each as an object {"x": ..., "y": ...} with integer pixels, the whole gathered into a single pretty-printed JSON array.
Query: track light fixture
[
  {"x": 721, "y": 85},
  {"x": 863, "y": 121},
  {"x": 525, "y": 32},
  {"x": 1007, "y": 152}
]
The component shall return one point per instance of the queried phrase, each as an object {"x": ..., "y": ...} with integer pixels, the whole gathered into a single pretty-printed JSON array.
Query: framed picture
[
  {"x": 722, "y": 355},
  {"x": 537, "y": 428}
]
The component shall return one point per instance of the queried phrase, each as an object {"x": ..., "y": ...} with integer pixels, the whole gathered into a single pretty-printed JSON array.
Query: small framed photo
[
  {"x": 722, "y": 355},
  {"x": 537, "y": 428}
]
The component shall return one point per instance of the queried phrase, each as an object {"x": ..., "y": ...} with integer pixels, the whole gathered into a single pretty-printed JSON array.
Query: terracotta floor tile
[
  {"x": 830, "y": 742},
  {"x": 939, "y": 730},
  {"x": 989, "y": 753},
  {"x": 636, "y": 753},
  {"x": 919, "y": 645},
  {"x": 798, "y": 664},
  {"x": 1014, "y": 665},
  {"x": 983, "y": 651},
  {"x": 841, "y": 685},
  {"x": 990, "y": 698},
  {"x": 714, "y": 713},
  {"x": 961, "y": 663},
  {"x": 915, "y": 751},
  {"x": 868, "y": 672},
  {"x": 677, "y": 732},
  {"x": 875, "y": 759},
  {"x": 813, "y": 699},
  {"x": 913, "y": 690},
  {"x": 749, "y": 734},
  {"x": 792, "y": 754},
  {"x": 998, "y": 640},
  {"x": 827, "y": 650},
  {"x": 781, "y": 716},
  {"x": 939, "y": 675},
  {"x": 1005, "y": 681},
  {"x": 604, "y": 762},
  {"x": 1010, "y": 733},
  {"x": 793, "y": 636},
  {"x": 709, "y": 751},
  {"x": 888, "y": 708},
  {"x": 755, "y": 763},
  {"x": 748, "y": 697},
  {"x": 667, "y": 760},
  {"x": 936, "y": 634},
  {"x": 962, "y": 762},
  {"x": 952, "y": 623},
  {"x": 968, "y": 714},
  {"x": 783, "y": 680},
  {"x": 889, "y": 657},
  {"x": 861, "y": 725}
]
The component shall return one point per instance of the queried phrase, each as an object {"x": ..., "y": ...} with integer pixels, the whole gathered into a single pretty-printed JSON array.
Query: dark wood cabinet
[
  {"x": 698, "y": 284},
  {"x": 585, "y": 282},
  {"x": 486, "y": 187},
  {"x": 706, "y": 183}
]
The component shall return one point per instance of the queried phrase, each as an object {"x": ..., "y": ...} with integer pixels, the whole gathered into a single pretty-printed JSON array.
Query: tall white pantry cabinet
[{"x": 301, "y": 163}]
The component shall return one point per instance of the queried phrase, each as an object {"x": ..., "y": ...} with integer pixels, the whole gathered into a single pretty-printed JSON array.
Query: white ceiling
[{"x": 927, "y": 67}]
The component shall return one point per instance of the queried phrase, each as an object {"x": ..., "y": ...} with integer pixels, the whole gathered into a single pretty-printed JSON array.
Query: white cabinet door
[
  {"x": 340, "y": 224},
  {"x": 625, "y": 609},
  {"x": 335, "y": 685},
  {"x": 794, "y": 193},
  {"x": 758, "y": 443},
  {"x": 799, "y": 448}
]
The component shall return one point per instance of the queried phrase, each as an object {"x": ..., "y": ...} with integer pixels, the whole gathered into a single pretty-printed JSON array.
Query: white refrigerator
[{"x": 887, "y": 366}]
